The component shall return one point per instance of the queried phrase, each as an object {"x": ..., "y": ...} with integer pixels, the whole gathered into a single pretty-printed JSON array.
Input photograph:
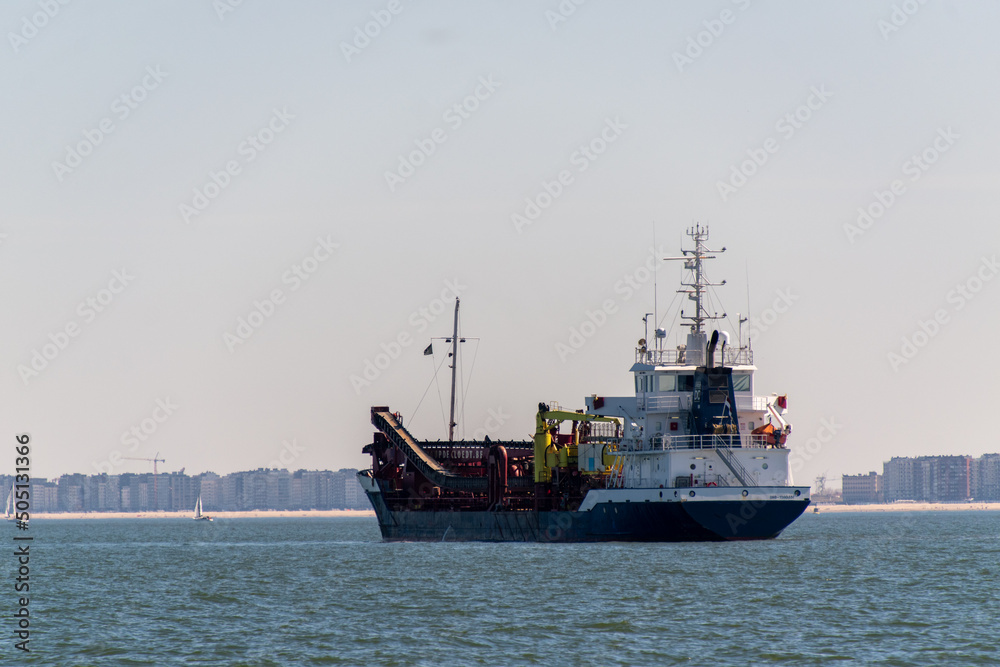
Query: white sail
[
  {"x": 198, "y": 515},
  {"x": 9, "y": 508}
]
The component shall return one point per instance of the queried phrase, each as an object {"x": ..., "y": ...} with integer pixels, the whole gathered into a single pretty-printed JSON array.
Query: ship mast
[
  {"x": 697, "y": 339},
  {"x": 693, "y": 261},
  {"x": 454, "y": 366}
]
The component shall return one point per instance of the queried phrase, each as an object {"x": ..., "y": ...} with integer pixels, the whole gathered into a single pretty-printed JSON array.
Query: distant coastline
[
  {"x": 248, "y": 514},
  {"x": 904, "y": 507}
]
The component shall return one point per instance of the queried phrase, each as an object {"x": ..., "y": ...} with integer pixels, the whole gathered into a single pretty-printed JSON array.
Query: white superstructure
[{"x": 666, "y": 445}]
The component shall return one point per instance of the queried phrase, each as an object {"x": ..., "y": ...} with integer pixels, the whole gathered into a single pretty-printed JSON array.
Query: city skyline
[{"x": 263, "y": 489}]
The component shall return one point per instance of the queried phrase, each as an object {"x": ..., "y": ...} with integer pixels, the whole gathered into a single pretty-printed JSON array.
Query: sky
[{"x": 230, "y": 228}]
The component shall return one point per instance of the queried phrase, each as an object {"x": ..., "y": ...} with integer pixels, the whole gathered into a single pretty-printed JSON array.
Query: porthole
[
  {"x": 764, "y": 466},
  {"x": 797, "y": 493},
  {"x": 693, "y": 466},
  {"x": 691, "y": 493},
  {"x": 745, "y": 493}
]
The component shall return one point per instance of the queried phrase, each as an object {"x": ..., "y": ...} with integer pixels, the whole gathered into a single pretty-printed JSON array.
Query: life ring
[{"x": 711, "y": 484}]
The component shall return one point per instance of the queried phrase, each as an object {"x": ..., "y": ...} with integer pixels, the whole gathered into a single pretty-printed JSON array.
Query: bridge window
[
  {"x": 685, "y": 383},
  {"x": 718, "y": 382},
  {"x": 666, "y": 382},
  {"x": 741, "y": 382}
]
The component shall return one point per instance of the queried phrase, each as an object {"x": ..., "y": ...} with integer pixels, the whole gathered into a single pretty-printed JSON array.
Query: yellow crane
[{"x": 548, "y": 455}]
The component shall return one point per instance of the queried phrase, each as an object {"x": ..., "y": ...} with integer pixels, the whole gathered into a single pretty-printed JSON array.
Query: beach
[
  {"x": 906, "y": 507},
  {"x": 249, "y": 514}
]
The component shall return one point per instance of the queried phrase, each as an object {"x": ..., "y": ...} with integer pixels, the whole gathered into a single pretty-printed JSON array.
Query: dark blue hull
[{"x": 606, "y": 522}]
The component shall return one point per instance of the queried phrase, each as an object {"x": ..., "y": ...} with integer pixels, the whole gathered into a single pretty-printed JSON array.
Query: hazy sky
[{"x": 166, "y": 168}]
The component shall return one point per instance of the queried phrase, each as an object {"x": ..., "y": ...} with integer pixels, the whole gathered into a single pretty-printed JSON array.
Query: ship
[{"x": 694, "y": 455}]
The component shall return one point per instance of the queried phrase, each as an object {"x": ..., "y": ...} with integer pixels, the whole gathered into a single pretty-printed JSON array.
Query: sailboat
[
  {"x": 198, "y": 516},
  {"x": 9, "y": 507}
]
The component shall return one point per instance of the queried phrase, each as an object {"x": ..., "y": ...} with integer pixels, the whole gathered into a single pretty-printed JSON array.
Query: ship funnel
[{"x": 710, "y": 353}]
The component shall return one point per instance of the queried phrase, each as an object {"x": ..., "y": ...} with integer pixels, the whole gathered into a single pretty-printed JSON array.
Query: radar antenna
[{"x": 693, "y": 260}]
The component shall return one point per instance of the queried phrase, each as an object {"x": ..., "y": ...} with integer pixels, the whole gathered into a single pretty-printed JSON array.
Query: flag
[
  {"x": 429, "y": 349},
  {"x": 783, "y": 402}
]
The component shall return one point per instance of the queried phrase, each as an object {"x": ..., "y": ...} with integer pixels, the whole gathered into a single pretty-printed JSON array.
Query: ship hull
[{"x": 663, "y": 521}]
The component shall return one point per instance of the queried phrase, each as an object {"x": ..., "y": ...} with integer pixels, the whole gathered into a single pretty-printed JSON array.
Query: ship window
[
  {"x": 666, "y": 382},
  {"x": 741, "y": 382},
  {"x": 637, "y": 389},
  {"x": 685, "y": 383}
]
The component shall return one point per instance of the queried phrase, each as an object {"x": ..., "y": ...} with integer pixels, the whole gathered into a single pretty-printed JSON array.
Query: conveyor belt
[{"x": 384, "y": 421}]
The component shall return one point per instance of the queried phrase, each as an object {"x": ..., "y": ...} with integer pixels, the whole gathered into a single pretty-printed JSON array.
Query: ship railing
[
  {"x": 730, "y": 356},
  {"x": 682, "y": 401},
  {"x": 747, "y": 402},
  {"x": 673, "y": 442},
  {"x": 600, "y": 432},
  {"x": 664, "y": 402},
  {"x": 738, "y": 356}
]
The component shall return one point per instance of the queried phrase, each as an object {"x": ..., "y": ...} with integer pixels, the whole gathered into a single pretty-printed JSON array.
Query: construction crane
[
  {"x": 156, "y": 459},
  {"x": 821, "y": 485}
]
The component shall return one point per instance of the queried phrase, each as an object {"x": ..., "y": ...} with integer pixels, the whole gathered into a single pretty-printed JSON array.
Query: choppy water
[{"x": 894, "y": 589}]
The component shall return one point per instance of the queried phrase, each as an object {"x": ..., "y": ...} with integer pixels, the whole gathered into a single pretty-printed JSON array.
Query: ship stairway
[
  {"x": 729, "y": 458},
  {"x": 616, "y": 473}
]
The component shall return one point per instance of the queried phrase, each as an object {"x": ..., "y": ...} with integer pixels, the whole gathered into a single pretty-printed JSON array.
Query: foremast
[{"x": 694, "y": 261}]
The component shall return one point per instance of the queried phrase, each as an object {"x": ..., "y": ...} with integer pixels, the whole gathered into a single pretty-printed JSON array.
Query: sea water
[{"x": 912, "y": 588}]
